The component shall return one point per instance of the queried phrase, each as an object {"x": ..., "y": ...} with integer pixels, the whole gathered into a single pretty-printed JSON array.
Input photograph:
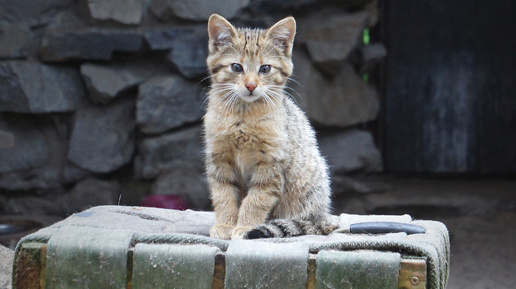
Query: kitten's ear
[
  {"x": 221, "y": 32},
  {"x": 282, "y": 33}
]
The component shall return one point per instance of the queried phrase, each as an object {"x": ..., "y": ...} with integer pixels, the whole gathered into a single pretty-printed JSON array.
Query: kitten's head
[{"x": 250, "y": 64}]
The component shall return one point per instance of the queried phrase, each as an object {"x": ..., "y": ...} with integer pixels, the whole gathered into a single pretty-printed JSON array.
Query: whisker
[
  {"x": 224, "y": 93},
  {"x": 285, "y": 89},
  {"x": 204, "y": 79},
  {"x": 234, "y": 100},
  {"x": 280, "y": 87},
  {"x": 295, "y": 81},
  {"x": 222, "y": 84},
  {"x": 275, "y": 95},
  {"x": 269, "y": 102}
]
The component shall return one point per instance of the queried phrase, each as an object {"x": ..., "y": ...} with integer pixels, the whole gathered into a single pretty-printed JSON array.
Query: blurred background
[{"x": 413, "y": 102}]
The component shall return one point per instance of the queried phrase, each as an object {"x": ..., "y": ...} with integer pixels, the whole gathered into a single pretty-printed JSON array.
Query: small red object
[{"x": 165, "y": 202}]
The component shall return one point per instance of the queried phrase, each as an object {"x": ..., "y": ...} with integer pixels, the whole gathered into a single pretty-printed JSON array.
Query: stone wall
[{"x": 104, "y": 98}]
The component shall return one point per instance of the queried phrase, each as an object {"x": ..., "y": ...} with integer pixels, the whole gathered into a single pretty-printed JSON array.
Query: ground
[{"x": 479, "y": 213}]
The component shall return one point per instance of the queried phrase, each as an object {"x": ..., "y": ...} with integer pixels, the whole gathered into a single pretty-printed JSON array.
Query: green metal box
[{"x": 134, "y": 247}]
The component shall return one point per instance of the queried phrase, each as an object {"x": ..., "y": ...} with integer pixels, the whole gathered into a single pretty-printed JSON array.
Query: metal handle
[{"x": 386, "y": 227}]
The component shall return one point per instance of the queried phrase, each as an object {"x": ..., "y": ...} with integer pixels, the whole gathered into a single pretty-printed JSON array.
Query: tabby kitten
[{"x": 266, "y": 175}]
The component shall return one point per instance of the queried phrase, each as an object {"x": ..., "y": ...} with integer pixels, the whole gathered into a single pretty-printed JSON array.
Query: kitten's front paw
[
  {"x": 221, "y": 231},
  {"x": 240, "y": 232}
]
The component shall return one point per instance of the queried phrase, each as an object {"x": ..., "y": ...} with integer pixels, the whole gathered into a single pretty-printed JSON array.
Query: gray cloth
[
  {"x": 101, "y": 260},
  {"x": 155, "y": 266},
  {"x": 160, "y": 226},
  {"x": 358, "y": 269},
  {"x": 256, "y": 264}
]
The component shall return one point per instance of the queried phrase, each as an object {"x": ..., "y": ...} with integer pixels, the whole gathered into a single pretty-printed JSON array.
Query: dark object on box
[{"x": 135, "y": 247}]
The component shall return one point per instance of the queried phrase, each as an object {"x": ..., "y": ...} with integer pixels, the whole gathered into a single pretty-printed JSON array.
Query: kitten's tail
[{"x": 282, "y": 228}]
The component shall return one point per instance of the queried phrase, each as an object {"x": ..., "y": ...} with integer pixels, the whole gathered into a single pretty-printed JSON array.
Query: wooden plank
[
  {"x": 447, "y": 108},
  {"x": 29, "y": 266},
  {"x": 312, "y": 272},
  {"x": 412, "y": 274},
  {"x": 219, "y": 274},
  {"x": 43, "y": 262}
]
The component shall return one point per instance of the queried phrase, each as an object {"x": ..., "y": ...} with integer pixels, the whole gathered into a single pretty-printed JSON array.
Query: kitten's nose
[{"x": 250, "y": 86}]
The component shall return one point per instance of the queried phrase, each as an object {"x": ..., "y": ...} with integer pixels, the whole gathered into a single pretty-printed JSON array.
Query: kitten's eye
[
  {"x": 264, "y": 69},
  {"x": 237, "y": 68}
]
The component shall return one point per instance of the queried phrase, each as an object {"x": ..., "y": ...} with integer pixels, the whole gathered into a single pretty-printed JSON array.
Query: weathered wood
[
  {"x": 448, "y": 108},
  {"x": 30, "y": 269},
  {"x": 142, "y": 248},
  {"x": 130, "y": 265},
  {"x": 30, "y": 263},
  {"x": 412, "y": 274},
  {"x": 219, "y": 273},
  {"x": 312, "y": 272}
]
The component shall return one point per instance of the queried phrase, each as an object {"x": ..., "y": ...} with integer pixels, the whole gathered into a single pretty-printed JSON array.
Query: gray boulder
[
  {"x": 72, "y": 174},
  {"x": 6, "y": 140},
  {"x": 85, "y": 194},
  {"x": 371, "y": 55},
  {"x": 103, "y": 137},
  {"x": 189, "y": 56},
  {"x": 342, "y": 101},
  {"x": 36, "y": 157},
  {"x": 169, "y": 151},
  {"x": 31, "y": 87},
  {"x": 31, "y": 206},
  {"x": 13, "y": 41},
  {"x": 89, "y": 44},
  {"x": 6, "y": 267},
  {"x": 167, "y": 102},
  {"x": 165, "y": 39},
  {"x": 351, "y": 151},
  {"x": 37, "y": 13},
  {"x": 258, "y": 6},
  {"x": 330, "y": 38},
  {"x": 187, "y": 182},
  {"x": 30, "y": 148},
  {"x": 288, "y": 6},
  {"x": 88, "y": 193},
  {"x": 46, "y": 177},
  {"x": 106, "y": 82},
  {"x": 198, "y": 10},
  {"x": 188, "y": 48},
  {"x": 121, "y": 11}
]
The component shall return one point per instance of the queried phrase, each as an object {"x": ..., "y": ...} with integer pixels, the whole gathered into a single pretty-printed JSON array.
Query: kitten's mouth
[{"x": 250, "y": 97}]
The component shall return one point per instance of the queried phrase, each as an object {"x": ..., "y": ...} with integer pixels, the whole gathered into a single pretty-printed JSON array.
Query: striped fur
[
  {"x": 266, "y": 175},
  {"x": 282, "y": 228}
]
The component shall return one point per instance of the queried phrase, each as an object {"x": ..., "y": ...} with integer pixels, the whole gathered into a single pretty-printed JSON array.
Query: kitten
[{"x": 266, "y": 175}]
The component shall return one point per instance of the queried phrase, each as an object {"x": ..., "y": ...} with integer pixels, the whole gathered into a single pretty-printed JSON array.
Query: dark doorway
[{"x": 450, "y": 91}]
